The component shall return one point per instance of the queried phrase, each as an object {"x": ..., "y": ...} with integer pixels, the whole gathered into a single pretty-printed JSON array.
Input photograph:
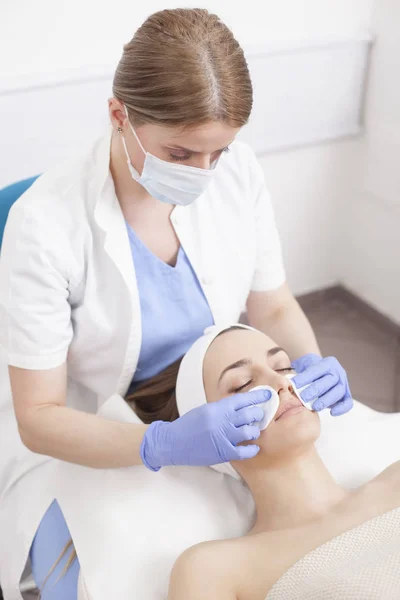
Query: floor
[{"x": 367, "y": 345}]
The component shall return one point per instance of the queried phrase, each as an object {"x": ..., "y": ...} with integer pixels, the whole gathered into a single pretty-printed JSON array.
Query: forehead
[
  {"x": 202, "y": 138},
  {"x": 234, "y": 345}
]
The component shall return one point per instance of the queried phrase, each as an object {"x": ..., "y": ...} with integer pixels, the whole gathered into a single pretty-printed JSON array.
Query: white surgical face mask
[{"x": 169, "y": 182}]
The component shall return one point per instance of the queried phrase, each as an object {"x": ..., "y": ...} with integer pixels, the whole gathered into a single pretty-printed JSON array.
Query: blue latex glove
[
  {"x": 329, "y": 383},
  {"x": 206, "y": 435}
]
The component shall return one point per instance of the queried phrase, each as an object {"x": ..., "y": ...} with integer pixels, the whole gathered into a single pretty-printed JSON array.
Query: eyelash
[
  {"x": 242, "y": 387},
  {"x": 187, "y": 156}
]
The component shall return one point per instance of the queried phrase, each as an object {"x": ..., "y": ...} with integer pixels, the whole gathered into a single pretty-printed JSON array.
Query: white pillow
[
  {"x": 359, "y": 445},
  {"x": 136, "y": 523}
]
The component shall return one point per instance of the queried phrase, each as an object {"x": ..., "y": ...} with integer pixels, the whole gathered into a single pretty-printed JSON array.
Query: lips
[{"x": 294, "y": 403}]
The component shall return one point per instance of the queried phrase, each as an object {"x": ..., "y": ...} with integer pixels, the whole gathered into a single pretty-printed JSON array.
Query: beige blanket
[{"x": 361, "y": 564}]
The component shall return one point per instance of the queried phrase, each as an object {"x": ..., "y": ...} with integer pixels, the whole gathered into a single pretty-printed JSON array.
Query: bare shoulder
[
  {"x": 204, "y": 571},
  {"x": 224, "y": 570}
]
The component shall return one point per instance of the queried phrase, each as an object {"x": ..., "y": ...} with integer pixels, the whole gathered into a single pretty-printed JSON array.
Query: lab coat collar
[
  {"x": 101, "y": 181},
  {"x": 108, "y": 214}
]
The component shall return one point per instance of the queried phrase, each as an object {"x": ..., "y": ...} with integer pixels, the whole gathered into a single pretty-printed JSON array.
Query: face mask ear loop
[
  {"x": 134, "y": 132},
  {"x": 128, "y": 160}
]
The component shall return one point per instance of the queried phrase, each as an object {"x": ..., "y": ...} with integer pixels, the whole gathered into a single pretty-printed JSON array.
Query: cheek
[
  {"x": 314, "y": 424},
  {"x": 137, "y": 159},
  {"x": 210, "y": 391}
]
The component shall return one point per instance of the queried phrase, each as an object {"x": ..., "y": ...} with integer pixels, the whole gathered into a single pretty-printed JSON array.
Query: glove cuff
[{"x": 151, "y": 448}]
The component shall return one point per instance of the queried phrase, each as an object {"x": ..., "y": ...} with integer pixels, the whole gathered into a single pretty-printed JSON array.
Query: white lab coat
[{"x": 68, "y": 292}]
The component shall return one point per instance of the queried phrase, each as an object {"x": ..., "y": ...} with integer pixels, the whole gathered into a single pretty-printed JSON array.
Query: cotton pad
[
  {"x": 270, "y": 407},
  {"x": 298, "y": 391}
]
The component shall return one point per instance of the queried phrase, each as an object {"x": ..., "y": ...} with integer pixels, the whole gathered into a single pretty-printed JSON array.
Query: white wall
[
  {"x": 307, "y": 184},
  {"x": 371, "y": 260},
  {"x": 46, "y": 35},
  {"x": 295, "y": 104}
]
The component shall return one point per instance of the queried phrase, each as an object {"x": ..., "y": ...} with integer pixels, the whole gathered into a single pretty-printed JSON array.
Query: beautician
[{"x": 113, "y": 265}]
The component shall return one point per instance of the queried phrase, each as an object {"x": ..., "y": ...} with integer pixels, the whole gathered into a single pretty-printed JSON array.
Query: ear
[{"x": 117, "y": 113}]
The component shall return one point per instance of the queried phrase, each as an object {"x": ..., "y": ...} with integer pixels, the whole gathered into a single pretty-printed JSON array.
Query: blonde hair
[{"x": 184, "y": 67}]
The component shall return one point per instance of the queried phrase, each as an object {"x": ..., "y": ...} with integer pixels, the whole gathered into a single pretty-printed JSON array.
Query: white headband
[{"x": 190, "y": 391}]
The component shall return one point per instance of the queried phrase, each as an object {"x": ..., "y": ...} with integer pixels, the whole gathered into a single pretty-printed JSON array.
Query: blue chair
[{"x": 8, "y": 196}]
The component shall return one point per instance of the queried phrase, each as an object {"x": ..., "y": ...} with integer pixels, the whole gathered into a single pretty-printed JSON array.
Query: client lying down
[{"x": 312, "y": 539}]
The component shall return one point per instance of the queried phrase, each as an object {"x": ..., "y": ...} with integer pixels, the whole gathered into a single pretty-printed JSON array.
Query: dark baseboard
[{"x": 338, "y": 293}]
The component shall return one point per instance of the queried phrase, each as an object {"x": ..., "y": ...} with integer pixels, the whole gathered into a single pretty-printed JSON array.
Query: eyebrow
[
  {"x": 244, "y": 362},
  {"x": 176, "y": 147},
  {"x": 274, "y": 351}
]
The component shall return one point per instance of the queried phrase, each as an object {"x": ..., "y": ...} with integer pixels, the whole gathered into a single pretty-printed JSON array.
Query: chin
[{"x": 296, "y": 430}]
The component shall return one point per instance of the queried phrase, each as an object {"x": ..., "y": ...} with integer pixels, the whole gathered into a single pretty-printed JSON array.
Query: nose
[
  {"x": 201, "y": 162},
  {"x": 204, "y": 161},
  {"x": 282, "y": 385}
]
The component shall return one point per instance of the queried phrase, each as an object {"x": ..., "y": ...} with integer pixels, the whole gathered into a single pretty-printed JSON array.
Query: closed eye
[
  {"x": 189, "y": 155},
  {"x": 180, "y": 158},
  {"x": 242, "y": 387}
]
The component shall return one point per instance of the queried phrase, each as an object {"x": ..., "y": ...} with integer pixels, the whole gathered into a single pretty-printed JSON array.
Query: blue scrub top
[{"x": 174, "y": 309}]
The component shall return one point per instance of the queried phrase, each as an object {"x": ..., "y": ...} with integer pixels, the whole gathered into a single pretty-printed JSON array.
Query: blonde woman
[{"x": 114, "y": 264}]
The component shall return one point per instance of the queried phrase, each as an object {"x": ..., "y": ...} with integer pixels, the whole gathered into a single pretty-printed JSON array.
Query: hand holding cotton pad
[
  {"x": 270, "y": 407},
  {"x": 298, "y": 391}
]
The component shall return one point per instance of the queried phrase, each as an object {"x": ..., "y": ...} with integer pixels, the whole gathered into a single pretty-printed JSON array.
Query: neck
[
  {"x": 291, "y": 492},
  {"x": 131, "y": 195}
]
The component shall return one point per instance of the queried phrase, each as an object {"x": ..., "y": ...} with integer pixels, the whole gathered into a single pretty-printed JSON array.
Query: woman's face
[
  {"x": 241, "y": 359},
  {"x": 198, "y": 146}
]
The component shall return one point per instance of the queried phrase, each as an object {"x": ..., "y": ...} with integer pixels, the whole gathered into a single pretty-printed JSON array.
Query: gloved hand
[
  {"x": 206, "y": 435},
  {"x": 329, "y": 383}
]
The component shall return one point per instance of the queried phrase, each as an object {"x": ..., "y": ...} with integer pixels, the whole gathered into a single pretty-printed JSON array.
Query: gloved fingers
[
  {"x": 245, "y": 433},
  {"x": 342, "y": 407},
  {"x": 247, "y": 416},
  {"x": 306, "y": 361},
  {"x": 320, "y": 387},
  {"x": 327, "y": 400},
  {"x": 248, "y": 399},
  {"x": 245, "y": 452},
  {"x": 324, "y": 367}
]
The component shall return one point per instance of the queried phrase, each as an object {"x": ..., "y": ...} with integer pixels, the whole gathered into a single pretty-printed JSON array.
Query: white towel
[{"x": 361, "y": 564}]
